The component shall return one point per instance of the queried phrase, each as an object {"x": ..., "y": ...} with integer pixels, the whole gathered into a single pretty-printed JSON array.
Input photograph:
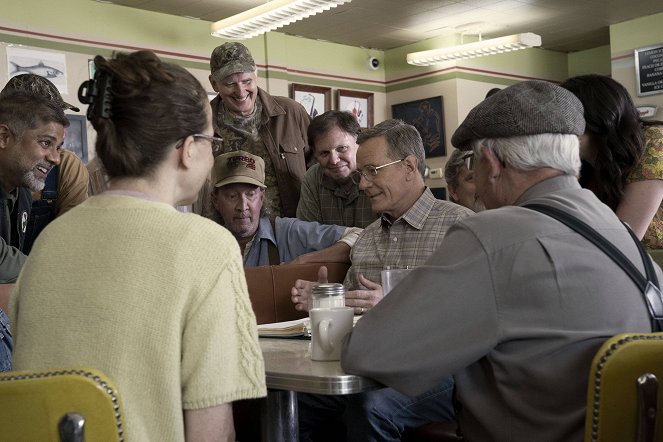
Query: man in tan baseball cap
[{"x": 238, "y": 180}]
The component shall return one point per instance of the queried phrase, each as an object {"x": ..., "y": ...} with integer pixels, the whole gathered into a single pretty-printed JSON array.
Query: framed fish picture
[{"x": 50, "y": 65}]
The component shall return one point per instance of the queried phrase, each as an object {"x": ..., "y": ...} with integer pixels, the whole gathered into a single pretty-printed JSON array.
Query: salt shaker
[{"x": 328, "y": 295}]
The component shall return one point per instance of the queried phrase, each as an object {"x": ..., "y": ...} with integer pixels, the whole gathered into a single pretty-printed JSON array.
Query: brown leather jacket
[{"x": 285, "y": 138}]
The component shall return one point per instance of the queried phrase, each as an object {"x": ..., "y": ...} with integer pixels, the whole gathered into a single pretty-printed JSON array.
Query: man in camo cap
[
  {"x": 250, "y": 119},
  {"x": 37, "y": 85}
]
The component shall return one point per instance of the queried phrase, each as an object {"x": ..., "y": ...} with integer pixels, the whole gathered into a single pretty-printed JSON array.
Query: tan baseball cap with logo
[{"x": 238, "y": 167}]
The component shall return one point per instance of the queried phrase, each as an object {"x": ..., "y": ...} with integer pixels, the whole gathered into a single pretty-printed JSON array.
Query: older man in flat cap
[
  {"x": 250, "y": 119},
  {"x": 514, "y": 303}
]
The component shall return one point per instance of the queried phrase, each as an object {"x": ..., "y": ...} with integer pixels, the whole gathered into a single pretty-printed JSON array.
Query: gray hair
[
  {"x": 454, "y": 164},
  {"x": 402, "y": 140},
  {"x": 531, "y": 152}
]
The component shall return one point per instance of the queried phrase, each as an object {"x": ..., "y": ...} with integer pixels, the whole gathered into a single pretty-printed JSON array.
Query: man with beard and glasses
[
  {"x": 250, "y": 119},
  {"x": 31, "y": 135}
]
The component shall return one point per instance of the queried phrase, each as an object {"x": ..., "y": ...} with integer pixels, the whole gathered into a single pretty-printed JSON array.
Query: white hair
[{"x": 531, "y": 152}]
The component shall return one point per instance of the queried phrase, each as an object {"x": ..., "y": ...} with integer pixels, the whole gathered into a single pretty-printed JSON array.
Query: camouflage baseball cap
[
  {"x": 37, "y": 85},
  {"x": 238, "y": 167},
  {"x": 231, "y": 58}
]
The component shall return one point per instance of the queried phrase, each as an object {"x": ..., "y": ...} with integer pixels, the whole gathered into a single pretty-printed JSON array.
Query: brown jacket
[{"x": 285, "y": 138}]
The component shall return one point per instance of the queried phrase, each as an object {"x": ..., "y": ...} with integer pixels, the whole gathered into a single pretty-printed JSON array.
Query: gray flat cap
[{"x": 527, "y": 108}]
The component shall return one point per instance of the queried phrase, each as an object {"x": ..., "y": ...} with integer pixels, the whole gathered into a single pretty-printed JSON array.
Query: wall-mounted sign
[{"x": 649, "y": 70}]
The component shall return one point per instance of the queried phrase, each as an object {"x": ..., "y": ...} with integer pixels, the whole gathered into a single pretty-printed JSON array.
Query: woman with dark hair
[
  {"x": 622, "y": 156},
  {"x": 126, "y": 284}
]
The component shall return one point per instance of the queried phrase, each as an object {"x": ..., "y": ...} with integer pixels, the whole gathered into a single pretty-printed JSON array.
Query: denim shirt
[
  {"x": 293, "y": 237},
  {"x": 6, "y": 343}
]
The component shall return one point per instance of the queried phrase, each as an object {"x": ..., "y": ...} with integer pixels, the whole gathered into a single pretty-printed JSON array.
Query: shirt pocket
[{"x": 294, "y": 159}]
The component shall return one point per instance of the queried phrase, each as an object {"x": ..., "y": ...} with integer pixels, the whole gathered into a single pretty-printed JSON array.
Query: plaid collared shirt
[
  {"x": 322, "y": 200},
  {"x": 406, "y": 241}
]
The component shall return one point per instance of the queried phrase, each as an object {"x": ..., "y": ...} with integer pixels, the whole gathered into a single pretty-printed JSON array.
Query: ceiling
[{"x": 564, "y": 25}]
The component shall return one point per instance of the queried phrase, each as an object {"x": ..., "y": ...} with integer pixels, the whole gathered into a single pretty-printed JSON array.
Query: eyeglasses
[
  {"x": 370, "y": 172},
  {"x": 469, "y": 160},
  {"x": 217, "y": 143}
]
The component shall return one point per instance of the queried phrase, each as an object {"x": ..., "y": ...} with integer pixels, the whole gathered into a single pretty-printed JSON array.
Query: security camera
[{"x": 373, "y": 63}]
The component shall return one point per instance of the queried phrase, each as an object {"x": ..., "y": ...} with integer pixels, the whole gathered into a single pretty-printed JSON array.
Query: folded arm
[
  {"x": 213, "y": 424},
  {"x": 639, "y": 204}
]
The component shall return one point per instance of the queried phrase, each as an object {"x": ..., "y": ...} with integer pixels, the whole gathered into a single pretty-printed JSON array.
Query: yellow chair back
[
  {"x": 59, "y": 405},
  {"x": 624, "y": 400}
]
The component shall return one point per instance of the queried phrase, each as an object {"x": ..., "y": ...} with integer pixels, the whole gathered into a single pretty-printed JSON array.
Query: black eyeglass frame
[{"x": 216, "y": 142}]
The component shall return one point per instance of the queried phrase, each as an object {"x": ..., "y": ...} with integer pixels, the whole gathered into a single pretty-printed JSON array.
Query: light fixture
[
  {"x": 475, "y": 49},
  {"x": 270, "y": 16}
]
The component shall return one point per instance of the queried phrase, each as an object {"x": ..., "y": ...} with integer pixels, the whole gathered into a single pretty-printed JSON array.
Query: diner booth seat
[
  {"x": 624, "y": 398},
  {"x": 68, "y": 405},
  {"x": 269, "y": 288}
]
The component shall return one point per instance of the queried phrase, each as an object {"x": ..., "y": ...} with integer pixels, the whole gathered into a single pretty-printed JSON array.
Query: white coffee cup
[
  {"x": 391, "y": 277},
  {"x": 328, "y": 328}
]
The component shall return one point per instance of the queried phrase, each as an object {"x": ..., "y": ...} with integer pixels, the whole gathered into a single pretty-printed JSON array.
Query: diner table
[{"x": 289, "y": 370}]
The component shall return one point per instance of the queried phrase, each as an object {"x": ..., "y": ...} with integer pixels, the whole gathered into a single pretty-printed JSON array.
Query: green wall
[
  {"x": 625, "y": 38},
  {"x": 83, "y": 28},
  {"x": 592, "y": 61}
]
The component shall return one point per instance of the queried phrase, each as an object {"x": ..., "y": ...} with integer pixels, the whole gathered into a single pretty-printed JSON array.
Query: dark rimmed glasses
[
  {"x": 217, "y": 143},
  {"x": 370, "y": 172}
]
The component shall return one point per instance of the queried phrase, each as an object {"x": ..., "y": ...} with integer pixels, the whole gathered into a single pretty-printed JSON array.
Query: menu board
[{"x": 649, "y": 70}]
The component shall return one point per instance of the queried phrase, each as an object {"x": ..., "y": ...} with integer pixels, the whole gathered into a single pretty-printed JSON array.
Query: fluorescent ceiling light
[
  {"x": 476, "y": 49},
  {"x": 270, "y": 16}
]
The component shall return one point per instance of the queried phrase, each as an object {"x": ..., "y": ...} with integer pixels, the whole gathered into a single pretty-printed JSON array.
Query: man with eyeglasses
[
  {"x": 237, "y": 197},
  {"x": 514, "y": 304},
  {"x": 328, "y": 193},
  {"x": 390, "y": 170}
]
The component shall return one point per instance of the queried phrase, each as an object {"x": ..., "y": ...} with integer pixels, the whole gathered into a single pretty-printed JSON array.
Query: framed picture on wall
[
  {"x": 76, "y": 138},
  {"x": 358, "y": 103},
  {"x": 315, "y": 99},
  {"x": 427, "y": 116}
]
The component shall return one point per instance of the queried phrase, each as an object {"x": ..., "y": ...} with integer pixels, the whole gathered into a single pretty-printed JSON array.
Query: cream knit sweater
[{"x": 154, "y": 298}]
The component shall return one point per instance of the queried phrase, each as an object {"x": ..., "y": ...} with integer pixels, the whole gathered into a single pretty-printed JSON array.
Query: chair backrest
[
  {"x": 624, "y": 400},
  {"x": 269, "y": 288},
  {"x": 59, "y": 405}
]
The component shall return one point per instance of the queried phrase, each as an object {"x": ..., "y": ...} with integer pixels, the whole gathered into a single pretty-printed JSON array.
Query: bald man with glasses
[{"x": 390, "y": 170}]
